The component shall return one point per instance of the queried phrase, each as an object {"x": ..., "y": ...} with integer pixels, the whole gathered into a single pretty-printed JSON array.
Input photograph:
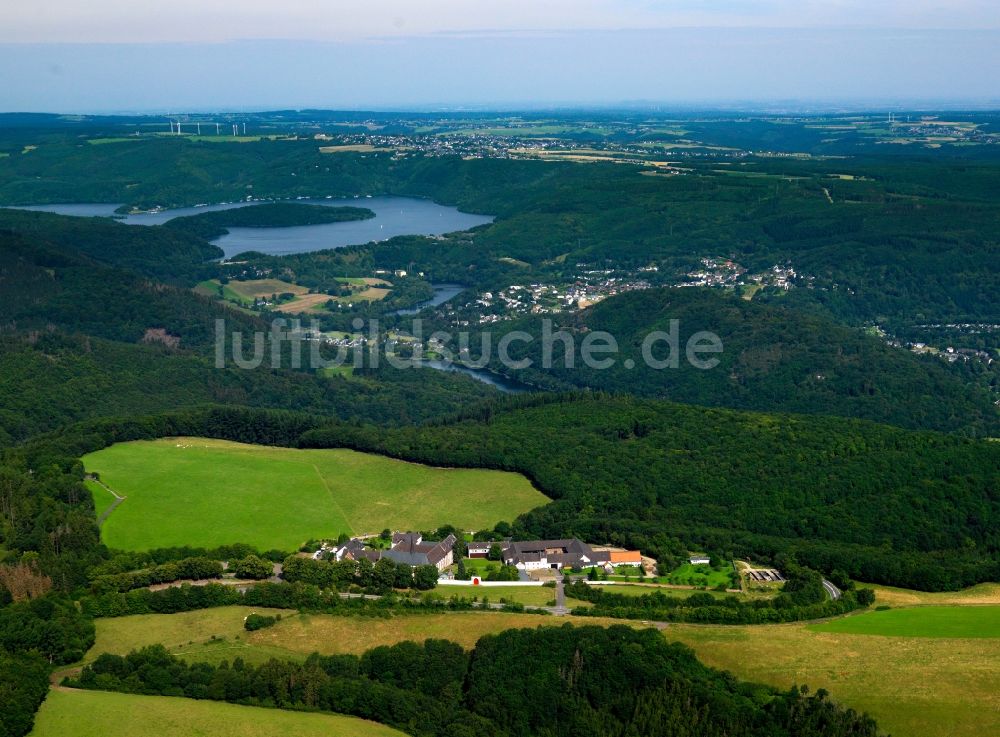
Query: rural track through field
[
  {"x": 333, "y": 499},
  {"x": 114, "y": 505}
]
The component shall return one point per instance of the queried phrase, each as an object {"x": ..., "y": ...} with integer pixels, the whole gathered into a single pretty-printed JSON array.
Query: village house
[
  {"x": 409, "y": 548},
  {"x": 534, "y": 555},
  {"x": 481, "y": 548}
]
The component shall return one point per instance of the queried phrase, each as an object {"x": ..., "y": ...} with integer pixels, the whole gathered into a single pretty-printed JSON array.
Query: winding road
[{"x": 832, "y": 591}]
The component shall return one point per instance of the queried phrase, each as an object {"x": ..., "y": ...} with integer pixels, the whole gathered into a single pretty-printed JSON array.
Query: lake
[
  {"x": 442, "y": 293},
  {"x": 394, "y": 216}
]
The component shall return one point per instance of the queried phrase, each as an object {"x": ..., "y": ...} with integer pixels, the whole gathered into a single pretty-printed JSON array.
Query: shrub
[{"x": 259, "y": 621}]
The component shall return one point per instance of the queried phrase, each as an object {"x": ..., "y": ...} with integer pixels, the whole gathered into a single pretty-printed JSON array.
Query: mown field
[
  {"x": 105, "y": 714},
  {"x": 200, "y": 492},
  {"x": 924, "y": 621},
  {"x": 102, "y": 497}
]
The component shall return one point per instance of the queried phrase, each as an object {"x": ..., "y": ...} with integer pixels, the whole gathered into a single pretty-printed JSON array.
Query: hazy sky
[{"x": 104, "y": 55}]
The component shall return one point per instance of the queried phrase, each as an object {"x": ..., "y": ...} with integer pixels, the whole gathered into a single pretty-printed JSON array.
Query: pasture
[
  {"x": 72, "y": 713},
  {"x": 202, "y": 492},
  {"x": 101, "y": 496},
  {"x": 924, "y": 621}
]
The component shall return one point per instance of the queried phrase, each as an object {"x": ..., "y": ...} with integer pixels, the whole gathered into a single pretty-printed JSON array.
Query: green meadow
[
  {"x": 71, "y": 713},
  {"x": 928, "y": 621},
  {"x": 201, "y": 492},
  {"x": 102, "y": 497}
]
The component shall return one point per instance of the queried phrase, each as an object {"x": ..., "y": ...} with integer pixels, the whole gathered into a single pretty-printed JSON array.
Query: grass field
[
  {"x": 102, "y": 141},
  {"x": 213, "y": 635},
  {"x": 913, "y": 686},
  {"x": 104, "y": 714},
  {"x": 636, "y": 590},
  {"x": 264, "y": 288},
  {"x": 527, "y": 595},
  {"x": 217, "y": 290},
  {"x": 102, "y": 497},
  {"x": 924, "y": 621},
  {"x": 370, "y": 294},
  {"x": 200, "y": 492},
  {"x": 701, "y": 575},
  {"x": 481, "y": 566},
  {"x": 313, "y": 303},
  {"x": 185, "y": 633},
  {"x": 984, "y": 593}
]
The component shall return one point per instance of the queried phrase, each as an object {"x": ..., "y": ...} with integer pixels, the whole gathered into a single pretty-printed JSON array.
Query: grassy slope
[
  {"x": 183, "y": 633},
  {"x": 933, "y": 621},
  {"x": 189, "y": 635},
  {"x": 209, "y": 492},
  {"x": 101, "y": 714},
  {"x": 984, "y": 593},
  {"x": 914, "y": 687},
  {"x": 102, "y": 497}
]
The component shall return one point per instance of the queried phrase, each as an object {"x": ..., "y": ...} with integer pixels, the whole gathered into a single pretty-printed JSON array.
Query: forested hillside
[
  {"x": 171, "y": 256},
  {"x": 774, "y": 358},
  {"x": 209, "y": 225}
]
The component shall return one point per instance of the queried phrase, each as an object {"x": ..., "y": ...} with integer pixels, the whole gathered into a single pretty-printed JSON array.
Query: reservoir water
[
  {"x": 394, "y": 216},
  {"x": 442, "y": 293}
]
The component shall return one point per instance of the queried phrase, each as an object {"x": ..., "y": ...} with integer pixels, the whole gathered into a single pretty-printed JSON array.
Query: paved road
[
  {"x": 560, "y": 607},
  {"x": 832, "y": 591}
]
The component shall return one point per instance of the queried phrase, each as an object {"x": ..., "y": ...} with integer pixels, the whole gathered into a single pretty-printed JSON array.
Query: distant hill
[
  {"x": 165, "y": 254},
  {"x": 774, "y": 359}
]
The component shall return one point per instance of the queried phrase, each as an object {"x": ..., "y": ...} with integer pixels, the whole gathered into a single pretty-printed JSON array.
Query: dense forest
[
  {"x": 774, "y": 358},
  {"x": 552, "y": 681}
]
